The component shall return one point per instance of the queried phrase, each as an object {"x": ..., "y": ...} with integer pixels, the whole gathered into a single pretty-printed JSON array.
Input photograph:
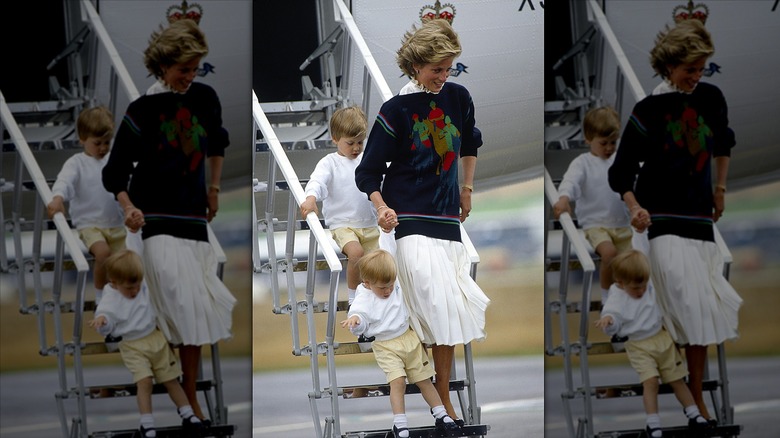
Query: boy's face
[
  {"x": 350, "y": 147},
  {"x": 95, "y": 147},
  {"x": 382, "y": 290},
  {"x": 128, "y": 290},
  {"x": 687, "y": 76},
  {"x": 603, "y": 147},
  {"x": 633, "y": 289}
]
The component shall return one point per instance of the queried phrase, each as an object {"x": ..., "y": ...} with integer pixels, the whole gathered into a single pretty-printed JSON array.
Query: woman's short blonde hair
[
  {"x": 348, "y": 122},
  {"x": 630, "y": 266},
  {"x": 601, "y": 122},
  {"x": 124, "y": 267},
  {"x": 378, "y": 266},
  {"x": 180, "y": 42},
  {"x": 97, "y": 122},
  {"x": 431, "y": 43},
  {"x": 687, "y": 42}
]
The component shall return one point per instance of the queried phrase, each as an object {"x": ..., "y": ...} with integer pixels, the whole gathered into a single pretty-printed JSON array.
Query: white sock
[
  {"x": 147, "y": 421},
  {"x": 399, "y": 421},
  {"x": 352, "y": 293},
  {"x": 185, "y": 412},
  {"x": 692, "y": 412},
  {"x": 98, "y": 296},
  {"x": 604, "y": 295},
  {"x": 654, "y": 421},
  {"x": 440, "y": 412}
]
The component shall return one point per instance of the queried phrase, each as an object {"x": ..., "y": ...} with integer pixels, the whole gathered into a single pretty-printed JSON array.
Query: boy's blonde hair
[
  {"x": 378, "y": 266},
  {"x": 630, "y": 266},
  {"x": 601, "y": 122},
  {"x": 348, "y": 122},
  {"x": 180, "y": 42},
  {"x": 687, "y": 42},
  {"x": 431, "y": 43},
  {"x": 97, "y": 122},
  {"x": 124, "y": 267}
]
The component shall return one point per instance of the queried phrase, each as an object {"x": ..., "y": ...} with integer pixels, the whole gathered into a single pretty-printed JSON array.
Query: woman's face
[
  {"x": 433, "y": 76},
  {"x": 179, "y": 76},
  {"x": 686, "y": 76}
]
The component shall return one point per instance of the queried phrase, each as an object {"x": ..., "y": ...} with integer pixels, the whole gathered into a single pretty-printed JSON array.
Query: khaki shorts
[
  {"x": 403, "y": 357},
  {"x": 114, "y": 237},
  {"x": 368, "y": 238},
  {"x": 150, "y": 356},
  {"x": 656, "y": 356},
  {"x": 620, "y": 237}
]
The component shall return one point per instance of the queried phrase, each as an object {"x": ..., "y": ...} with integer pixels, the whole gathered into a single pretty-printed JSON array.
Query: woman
[
  {"x": 425, "y": 132},
  {"x": 172, "y": 132},
  {"x": 676, "y": 132}
]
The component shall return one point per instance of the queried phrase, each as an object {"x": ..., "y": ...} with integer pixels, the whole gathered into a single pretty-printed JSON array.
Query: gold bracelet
[
  {"x": 215, "y": 187},
  {"x": 468, "y": 186},
  {"x": 721, "y": 186},
  {"x": 381, "y": 207}
]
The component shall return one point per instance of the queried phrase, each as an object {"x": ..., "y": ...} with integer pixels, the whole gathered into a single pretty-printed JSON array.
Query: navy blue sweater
[{"x": 422, "y": 136}]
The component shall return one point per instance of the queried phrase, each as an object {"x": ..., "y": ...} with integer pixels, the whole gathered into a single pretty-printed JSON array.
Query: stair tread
[
  {"x": 380, "y": 390},
  {"x": 131, "y": 389},
  {"x": 677, "y": 431},
  {"x": 167, "y": 432},
  {"x": 426, "y": 431},
  {"x": 636, "y": 389}
]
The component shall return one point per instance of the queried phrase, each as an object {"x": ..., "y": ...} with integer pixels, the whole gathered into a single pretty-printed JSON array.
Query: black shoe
[
  {"x": 445, "y": 425},
  {"x": 144, "y": 430},
  {"x": 363, "y": 338},
  {"x": 650, "y": 431},
  {"x": 112, "y": 342},
  {"x": 192, "y": 428},
  {"x": 617, "y": 343},
  {"x": 397, "y": 431},
  {"x": 693, "y": 423}
]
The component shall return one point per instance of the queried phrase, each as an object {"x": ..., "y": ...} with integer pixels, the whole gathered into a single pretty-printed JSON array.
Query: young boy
[
  {"x": 600, "y": 211},
  {"x": 93, "y": 211},
  {"x": 379, "y": 310},
  {"x": 632, "y": 311},
  {"x": 346, "y": 210},
  {"x": 126, "y": 312}
]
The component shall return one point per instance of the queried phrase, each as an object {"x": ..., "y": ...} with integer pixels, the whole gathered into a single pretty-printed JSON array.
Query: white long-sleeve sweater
[
  {"x": 129, "y": 318},
  {"x": 385, "y": 318},
  {"x": 333, "y": 183},
  {"x": 80, "y": 183},
  {"x": 596, "y": 204}
]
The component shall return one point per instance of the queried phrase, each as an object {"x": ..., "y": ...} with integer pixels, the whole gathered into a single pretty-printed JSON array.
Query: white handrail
[
  {"x": 601, "y": 21},
  {"x": 41, "y": 185},
  {"x": 116, "y": 61},
  {"x": 576, "y": 240},
  {"x": 344, "y": 16},
  {"x": 295, "y": 185}
]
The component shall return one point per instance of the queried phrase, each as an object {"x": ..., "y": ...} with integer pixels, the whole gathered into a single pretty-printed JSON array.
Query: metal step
[
  {"x": 168, "y": 432},
  {"x": 362, "y": 391},
  {"x": 319, "y": 307},
  {"x": 595, "y": 348},
  {"x": 636, "y": 389},
  {"x": 130, "y": 389},
  {"x": 48, "y": 307},
  {"x": 575, "y": 307},
  {"x": 423, "y": 432},
  {"x": 678, "y": 431}
]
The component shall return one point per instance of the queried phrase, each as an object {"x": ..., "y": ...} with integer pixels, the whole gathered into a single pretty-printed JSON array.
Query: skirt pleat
[
  {"x": 193, "y": 305},
  {"x": 699, "y": 305},
  {"x": 446, "y": 306}
]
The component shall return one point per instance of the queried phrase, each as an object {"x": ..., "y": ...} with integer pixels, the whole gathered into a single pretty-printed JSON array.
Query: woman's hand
[
  {"x": 134, "y": 218},
  {"x": 640, "y": 218},
  {"x": 465, "y": 203},
  {"x": 719, "y": 200},
  {"x": 213, "y": 203},
  {"x": 387, "y": 219}
]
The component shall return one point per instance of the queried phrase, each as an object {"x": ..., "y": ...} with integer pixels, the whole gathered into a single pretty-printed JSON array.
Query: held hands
[
  {"x": 387, "y": 218},
  {"x": 134, "y": 218},
  {"x": 350, "y": 322},
  {"x": 604, "y": 322},
  {"x": 640, "y": 218}
]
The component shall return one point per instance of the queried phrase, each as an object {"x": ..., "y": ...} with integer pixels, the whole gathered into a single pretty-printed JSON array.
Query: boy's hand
[
  {"x": 100, "y": 321},
  {"x": 134, "y": 219},
  {"x": 56, "y": 205},
  {"x": 350, "y": 322},
  {"x": 308, "y": 206},
  {"x": 562, "y": 206},
  {"x": 604, "y": 322},
  {"x": 387, "y": 219},
  {"x": 640, "y": 218}
]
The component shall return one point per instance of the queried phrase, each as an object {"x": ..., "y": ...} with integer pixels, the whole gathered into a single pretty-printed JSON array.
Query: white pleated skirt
[
  {"x": 446, "y": 306},
  {"x": 699, "y": 305},
  {"x": 193, "y": 306}
]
